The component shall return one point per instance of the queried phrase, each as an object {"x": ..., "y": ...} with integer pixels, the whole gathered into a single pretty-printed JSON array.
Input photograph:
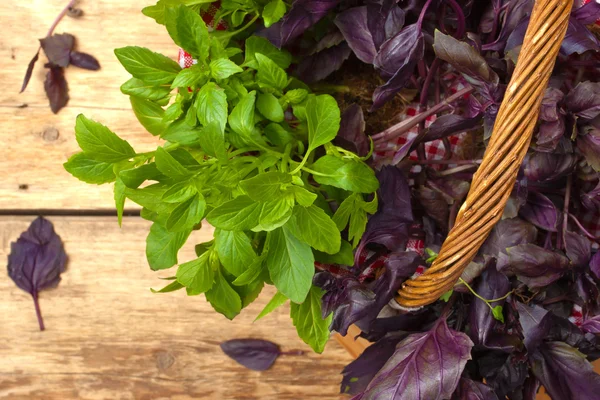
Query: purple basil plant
[{"x": 526, "y": 312}]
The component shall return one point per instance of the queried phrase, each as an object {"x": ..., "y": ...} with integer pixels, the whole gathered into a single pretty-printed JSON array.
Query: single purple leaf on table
[
  {"x": 578, "y": 39},
  {"x": 491, "y": 285},
  {"x": 36, "y": 260},
  {"x": 508, "y": 233},
  {"x": 351, "y": 135},
  {"x": 254, "y": 354},
  {"x": 56, "y": 88},
  {"x": 588, "y": 13},
  {"x": 425, "y": 366},
  {"x": 84, "y": 60},
  {"x": 535, "y": 266},
  {"x": 320, "y": 65},
  {"x": 359, "y": 372},
  {"x": 472, "y": 390},
  {"x": 540, "y": 211},
  {"x": 584, "y": 100},
  {"x": 58, "y": 48},
  {"x": 578, "y": 248},
  {"x": 565, "y": 372},
  {"x": 29, "y": 71},
  {"x": 544, "y": 167},
  {"x": 353, "y": 25}
]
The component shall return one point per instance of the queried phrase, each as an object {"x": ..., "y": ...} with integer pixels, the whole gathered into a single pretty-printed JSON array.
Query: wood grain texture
[
  {"x": 109, "y": 337},
  {"x": 36, "y": 142}
]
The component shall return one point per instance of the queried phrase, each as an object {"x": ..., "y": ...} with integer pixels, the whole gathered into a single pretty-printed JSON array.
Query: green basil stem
[{"x": 486, "y": 301}]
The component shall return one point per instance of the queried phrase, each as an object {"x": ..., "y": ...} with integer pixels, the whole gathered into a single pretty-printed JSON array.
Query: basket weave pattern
[{"x": 495, "y": 178}]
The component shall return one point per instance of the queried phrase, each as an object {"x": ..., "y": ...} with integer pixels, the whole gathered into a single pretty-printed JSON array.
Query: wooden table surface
[{"x": 108, "y": 336}]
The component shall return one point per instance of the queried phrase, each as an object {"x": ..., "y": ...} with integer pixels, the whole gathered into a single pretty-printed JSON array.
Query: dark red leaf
[
  {"x": 58, "y": 48},
  {"x": 84, "y": 60},
  {"x": 255, "y": 354},
  {"x": 56, "y": 88},
  {"x": 29, "y": 71}
]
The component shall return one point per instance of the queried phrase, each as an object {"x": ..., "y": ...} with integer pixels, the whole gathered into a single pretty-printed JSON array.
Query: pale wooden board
[
  {"x": 31, "y": 153},
  {"x": 109, "y": 337}
]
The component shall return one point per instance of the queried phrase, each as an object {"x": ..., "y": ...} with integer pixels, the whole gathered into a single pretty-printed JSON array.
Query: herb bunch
[{"x": 247, "y": 147}]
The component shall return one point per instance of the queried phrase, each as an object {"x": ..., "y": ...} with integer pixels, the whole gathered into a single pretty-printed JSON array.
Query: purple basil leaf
[
  {"x": 36, "y": 260},
  {"x": 404, "y": 150},
  {"x": 56, "y": 88},
  {"x": 508, "y": 233},
  {"x": 506, "y": 377},
  {"x": 588, "y": 294},
  {"x": 359, "y": 372},
  {"x": 591, "y": 199},
  {"x": 578, "y": 39},
  {"x": 389, "y": 225},
  {"x": 584, "y": 100},
  {"x": 358, "y": 303},
  {"x": 543, "y": 167},
  {"x": 535, "y": 266},
  {"x": 302, "y": 15},
  {"x": 58, "y": 48},
  {"x": 549, "y": 135},
  {"x": 471, "y": 390},
  {"x": 320, "y": 65},
  {"x": 84, "y": 60},
  {"x": 589, "y": 145},
  {"x": 451, "y": 124},
  {"x": 588, "y": 13},
  {"x": 492, "y": 285},
  {"x": 255, "y": 354},
  {"x": 515, "y": 39},
  {"x": 516, "y": 11},
  {"x": 331, "y": 39},
  {"x": 353, "y": 25},
  {"x": 394, "y": 22},
  {"x": 384, "y": 19},
  {"x": 351, "y": 135},
  {"x": 425, "y": 366},
  {"x": 591, "y": 325},
  {"x": 595, "y": 264},
  {"x": 578, "y": 248},
  {"x": 29, "y": 71},
  {"x": 540, "y": 211},
  {"x": 533, "y": 324},
  {"x": 453, "y": 189},
  {"x": 398, "y": 267},
  {"x": 435, "y": 206},
  {"x": 549, "y": 111},
  {"x": 565, "y": 372}
]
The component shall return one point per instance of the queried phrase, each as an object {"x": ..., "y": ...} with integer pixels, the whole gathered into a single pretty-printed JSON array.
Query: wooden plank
[
  {"x": 36, "y": 142},
  {"x": 109, "y": 337}
]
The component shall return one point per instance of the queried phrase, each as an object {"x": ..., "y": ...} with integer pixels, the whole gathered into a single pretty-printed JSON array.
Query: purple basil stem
[
  {"x": 540, "y": 211},
  {"x": 351, "y": 135},
  {"x": 84, "y": 60},
  {"x": 320, "y": 65},
  {"x": 492, "y": 285},
  {"x": 353, "y": 25},
  {"x": 565, "y": 372},
  {"x": 36, "y": 260},
  {"x": 255, "y": 354},
  {"x": 58, "y": 48},
  {"x": 437, "y": 357},
  {"x": 472, "y": 390},
  {"x": 588, "y": 13},
  {"x": 56, "y": 88},
  {"x": 578, "y": 39}
]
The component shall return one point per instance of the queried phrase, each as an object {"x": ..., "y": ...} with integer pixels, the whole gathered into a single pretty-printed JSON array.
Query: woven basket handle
[{"x": 495, "y": 178}]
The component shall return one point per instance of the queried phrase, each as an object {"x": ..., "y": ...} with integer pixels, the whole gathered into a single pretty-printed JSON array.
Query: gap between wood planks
[{"x": 67, "y": 213}]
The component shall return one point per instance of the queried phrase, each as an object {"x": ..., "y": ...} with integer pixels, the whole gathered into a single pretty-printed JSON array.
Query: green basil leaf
[
  {"x": 119, "y": 196},
  {"x": 307, "y": 318},
  {"x": 237, "y": 17},
  {"x": 256, "y": 44},
  {"x": 291, "y": 264},
  {"x": 171, "y": 287},
  {"x": 278, "y": 135},
  {"x": 235, "y": 251},
  {"x": 223, "y": 68},
  {"x": 252, "y": 272},
  {"x": 239, "y": 214},
  {"x": 269, "y": 107},
  {"x": 342, "y": 214},
  {"x": 348, "y": 174},
  {"x": 100, "y": 143},
  {"x": 157, "y": 12},
  {"x": 212, "y": 105},
  {"x": 303, "y": 197},
  {"x": 223, "y": 297},
  {"x": 296, "y": 96},
  {"x": 172, "y": 112},
  {"x": 88, "y": 170},
  {"x": 241, "y": 119},
  {"x": 277, "y": 300},
  {"x": 150, "y": 197},
  {"x": 270, "y": 73},
  {"x": 133, "y": 178},
  {"x": 179, "y": 192},
  {"x": 212, "y": 141},
  {"x": 273, "y": 12},
  {"x": 188, "y": 30},
  {"x": 169, "y": 166},
  {"x": 266, "y": 186},
  {"x": 162, "y": 246},
  {"x": 149, "y": 114},
  {"x": 180, "y": 132},
  {"x": 187, "y": 214},
  {"x": 249, "y": 293},
  {"x": 150, "y": 67},
  {"x": 358, "y": 225},
  {"x": 343, "y": 257},
  {"x": 139, "y": 88},
  {"x": 313, "y": 226},
  {"x": 274, "y": 214},
  {"x": 323, "y": 117},
  {"x": 189, "y": 77},
  {"x": 197, "y": 275}
]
